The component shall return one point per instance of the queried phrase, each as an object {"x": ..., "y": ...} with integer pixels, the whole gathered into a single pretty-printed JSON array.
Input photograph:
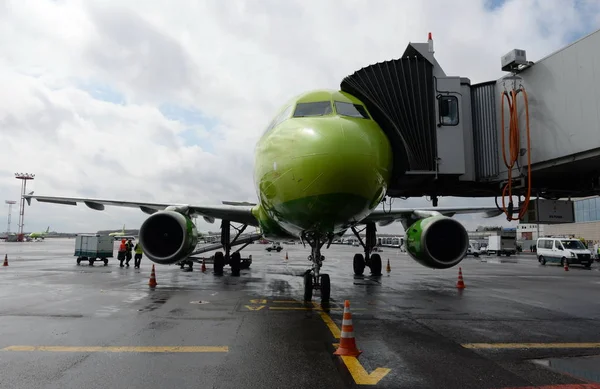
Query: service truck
[
  {"x": 503, "y": 243},
  {"x": 89, "y": 247}
]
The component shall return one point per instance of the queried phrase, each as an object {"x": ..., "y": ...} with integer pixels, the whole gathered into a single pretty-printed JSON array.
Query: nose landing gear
[{"x": 313, "y": 279}]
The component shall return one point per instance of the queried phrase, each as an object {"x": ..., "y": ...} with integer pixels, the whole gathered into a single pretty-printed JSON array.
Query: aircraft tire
[
  {"x": 308, "y": 286},
  {"x": 325, "y": 288},
  {"x": 219, "y": 262},
  {"x": 235, "y": 263},
  {"x": 375, "y": 265},
  {"x": 358, "y": 264}
]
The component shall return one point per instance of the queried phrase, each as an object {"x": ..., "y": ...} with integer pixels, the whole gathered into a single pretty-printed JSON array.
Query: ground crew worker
[
  {"x": 122, "y": 252},
  {"x": 129, "y": 247},
  {"x": 138, "y": 255}
]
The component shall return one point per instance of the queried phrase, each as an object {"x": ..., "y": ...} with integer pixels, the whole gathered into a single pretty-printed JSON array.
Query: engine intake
[
  {"x": 438, "y": 242},
  {"x": 168, "y": 237}
]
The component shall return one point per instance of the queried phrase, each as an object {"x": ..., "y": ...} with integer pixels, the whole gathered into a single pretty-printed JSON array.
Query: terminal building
[{"x": 587, "y": 221}]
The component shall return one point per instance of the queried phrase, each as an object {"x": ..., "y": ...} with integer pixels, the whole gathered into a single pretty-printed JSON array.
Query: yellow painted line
[
  {"x": 123, "y": 349},
  {"x": 257, "y": 308},
  {"x": 288, "y": 301},
  {"x": 358, "y": 372},
  {"x": 529, "y": 345},
  {"x": 335, "y": 331},
  {"x": 360, "y": 375},
  {"x": 308, "y": 309}
]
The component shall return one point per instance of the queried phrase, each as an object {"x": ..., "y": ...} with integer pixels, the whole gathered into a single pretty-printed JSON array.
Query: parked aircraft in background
[{"x": 39, "y": 235}]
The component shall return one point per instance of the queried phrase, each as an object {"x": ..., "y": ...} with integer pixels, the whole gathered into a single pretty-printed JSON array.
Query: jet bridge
[{"x": 454, "y": 138}]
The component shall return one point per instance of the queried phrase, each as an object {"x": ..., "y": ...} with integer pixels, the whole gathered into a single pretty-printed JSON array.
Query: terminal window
[
  {"x": 587, "y": 210},
  {"x": 448, "y": 108}
]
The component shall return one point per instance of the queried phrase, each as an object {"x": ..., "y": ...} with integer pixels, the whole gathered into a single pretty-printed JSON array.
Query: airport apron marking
[
  {"x": 121, "y": 349},
  {"x": 529, "y": 345},
  {"x": 264, "y": 302},
  {"x": 356, "y": 369}
]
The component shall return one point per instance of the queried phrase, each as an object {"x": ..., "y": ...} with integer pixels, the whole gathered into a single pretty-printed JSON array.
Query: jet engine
[
  {"x": 438, "y": 242},
  {"x": 168, "y": 237}
]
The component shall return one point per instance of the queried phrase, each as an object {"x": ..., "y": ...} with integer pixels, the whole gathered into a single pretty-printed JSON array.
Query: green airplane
[
  {"x": 322, "y": 166},
  {"x": 39, "y": 235}
]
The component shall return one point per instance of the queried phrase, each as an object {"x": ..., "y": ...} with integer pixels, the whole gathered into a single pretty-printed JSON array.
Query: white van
[
  {"x": 473, "y": 249},
  {"x": 559, "y": 250}
]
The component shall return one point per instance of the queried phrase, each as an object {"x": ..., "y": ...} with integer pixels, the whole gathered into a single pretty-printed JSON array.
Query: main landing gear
[
  {"x": 220, "y": 259},
  {"x": 233, "y": 259},
  {"x": 312, "y": 277},
  {"x": 371, "y": 260}
]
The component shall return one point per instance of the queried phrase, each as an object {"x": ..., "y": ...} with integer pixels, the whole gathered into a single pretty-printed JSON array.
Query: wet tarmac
[{"x": 517, "y": 324}]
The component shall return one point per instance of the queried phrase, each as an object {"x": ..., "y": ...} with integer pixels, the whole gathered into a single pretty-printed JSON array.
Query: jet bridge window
[
  {"x": 319, "y": 108},
  {"x": 448, "y": 110},
  {"x": 352, "y": 110}
]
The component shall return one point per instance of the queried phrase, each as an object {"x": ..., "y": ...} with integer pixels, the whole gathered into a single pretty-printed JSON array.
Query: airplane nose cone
[{"x": 329, "y": 173}]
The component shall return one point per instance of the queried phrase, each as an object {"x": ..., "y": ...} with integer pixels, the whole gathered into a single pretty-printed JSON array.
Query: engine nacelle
[
  {"x": 439, "y": 242},
  {"x": 168, "y": 237}
]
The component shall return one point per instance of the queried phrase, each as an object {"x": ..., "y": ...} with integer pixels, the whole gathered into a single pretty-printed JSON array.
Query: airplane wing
[
  {"x": 235, "y": 213},
  {"x": 384, "y": 217}
]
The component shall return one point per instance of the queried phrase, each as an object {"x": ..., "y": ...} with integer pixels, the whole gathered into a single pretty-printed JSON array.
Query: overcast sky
[{"x": 164, "y": 101}]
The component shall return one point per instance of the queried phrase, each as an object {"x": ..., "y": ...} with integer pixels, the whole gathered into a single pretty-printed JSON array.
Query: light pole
[{"x": 23, "y": 177}]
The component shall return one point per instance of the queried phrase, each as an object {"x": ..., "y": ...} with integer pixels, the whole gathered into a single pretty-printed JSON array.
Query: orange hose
[{"x": 514, "y": 149}]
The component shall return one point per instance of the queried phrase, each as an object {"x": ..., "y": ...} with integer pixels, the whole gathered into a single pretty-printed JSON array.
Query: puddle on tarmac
[{"x": 584, "y": 368}]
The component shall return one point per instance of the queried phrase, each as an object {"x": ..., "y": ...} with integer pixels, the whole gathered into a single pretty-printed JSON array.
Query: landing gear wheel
[
  {"x": 359, "y": 264},
  {"x": 235, "y": 263},
  {"x": 375, "y": 265},
  {"x": 219, "y": 262},
  {"x": 191, "y": 265},
  {"x": 308, "y": 286},
  {"x": 325, "y": 288}
]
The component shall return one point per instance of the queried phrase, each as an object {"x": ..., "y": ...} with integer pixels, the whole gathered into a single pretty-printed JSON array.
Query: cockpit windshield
[
  {"x": 352, "y": 110},
  {"x": 319, "y": 108}
]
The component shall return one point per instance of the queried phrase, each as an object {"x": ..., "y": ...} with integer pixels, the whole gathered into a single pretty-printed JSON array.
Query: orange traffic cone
[
  {"x": 460, "y": 284},
  {"x": 566, "y": 265},
  {"x": 152, "y": 281},
  {"x": 5, "y": 260},
  {"x": 347, "y": 344},
  {"x": 203, "y": 266},
  {"x": 388, "y": 267}
]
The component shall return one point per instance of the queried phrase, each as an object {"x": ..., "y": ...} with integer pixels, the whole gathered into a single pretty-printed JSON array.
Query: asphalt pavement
[{"x": 517, "y": 324}]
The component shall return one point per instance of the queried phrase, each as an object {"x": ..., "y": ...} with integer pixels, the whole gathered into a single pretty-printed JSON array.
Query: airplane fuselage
[{"x": 321, "y": 166}]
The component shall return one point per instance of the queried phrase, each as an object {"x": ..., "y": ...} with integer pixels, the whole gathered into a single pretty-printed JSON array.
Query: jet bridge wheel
[{"x": 359, "y": 264}]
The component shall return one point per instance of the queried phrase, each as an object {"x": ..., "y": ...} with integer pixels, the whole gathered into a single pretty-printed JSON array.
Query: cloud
[{"x": 159, "y": 102}]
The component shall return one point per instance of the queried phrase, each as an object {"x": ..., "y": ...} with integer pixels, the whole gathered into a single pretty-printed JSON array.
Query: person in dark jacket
[{"x": 128, "y": 256}]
